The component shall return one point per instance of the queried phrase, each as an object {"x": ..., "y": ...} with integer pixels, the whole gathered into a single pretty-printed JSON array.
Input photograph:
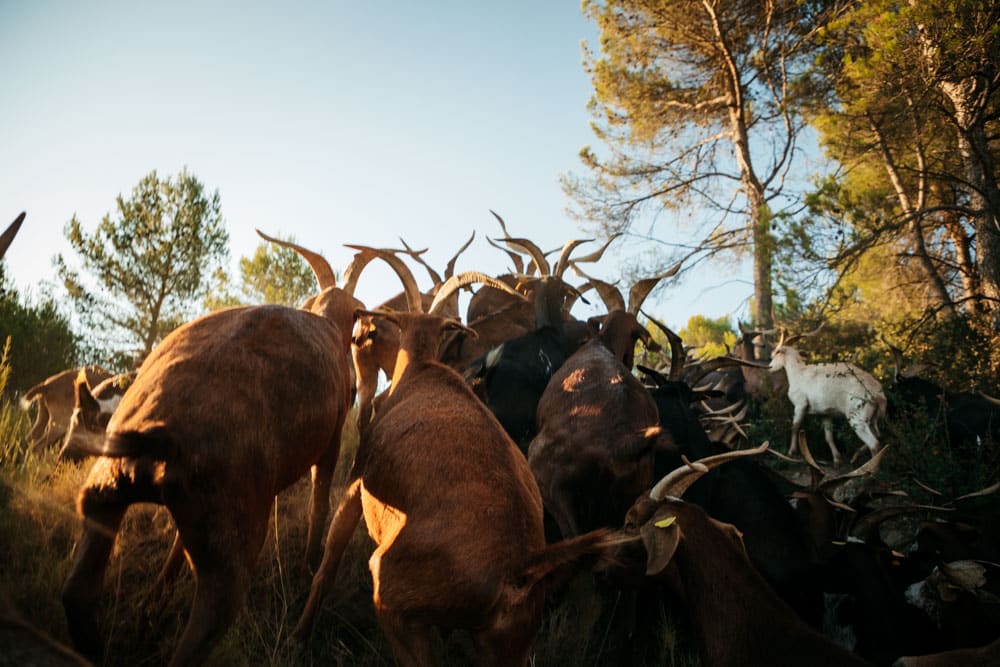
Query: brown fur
[
  {"x": 593, "y": 454},
  {"x": 55, "y": 399},
  {"x": 455, "y": 514},
  {"x": 736, "y": 618},
  {"x": 216, "y": 452}
]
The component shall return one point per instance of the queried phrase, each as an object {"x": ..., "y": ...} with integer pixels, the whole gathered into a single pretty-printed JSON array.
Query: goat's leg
[
  {"x": 171, "y": 568},
  {"x": 319, "y": 503},
  {"x": 83, "y": 586},
  {"x": 341, "y": 529},
  {"x": 223, "y": 557},
  {"x": 797, "y": 419},
  {"x": 828, "y": 433},
  {"x": 864, "y": 431}
]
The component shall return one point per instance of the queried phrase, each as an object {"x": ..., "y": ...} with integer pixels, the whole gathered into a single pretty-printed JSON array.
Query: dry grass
[{"x": 38, "y": 527}]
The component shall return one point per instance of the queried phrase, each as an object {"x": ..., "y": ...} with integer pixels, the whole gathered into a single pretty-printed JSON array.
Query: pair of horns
[{"x": 325, "y": 276}]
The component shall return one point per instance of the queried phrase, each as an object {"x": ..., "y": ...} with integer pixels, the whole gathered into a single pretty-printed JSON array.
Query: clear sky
[{"x": 332, "y": 122}]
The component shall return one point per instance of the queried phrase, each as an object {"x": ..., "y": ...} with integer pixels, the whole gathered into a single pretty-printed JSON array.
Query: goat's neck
[
  {"x": 794, "y": 366},
  {"x": 418, "y": 345}
]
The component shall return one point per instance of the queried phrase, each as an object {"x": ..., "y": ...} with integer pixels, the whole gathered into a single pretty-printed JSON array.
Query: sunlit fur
[
  {"x": 454, "y": 512},
  {"x": 216, "y": 424}
]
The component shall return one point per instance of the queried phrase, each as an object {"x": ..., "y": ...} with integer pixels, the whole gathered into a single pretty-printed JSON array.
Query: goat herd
[{"x": 507, "y": 454}]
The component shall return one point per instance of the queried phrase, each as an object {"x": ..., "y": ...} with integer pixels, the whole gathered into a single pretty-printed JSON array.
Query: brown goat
[
  {"x": 216, "y": 452},
  {"x": 55, "y": 398},
  {"x": 597, "y": 428},
  {"x": 454, "y": 512},
  {"x": 735, "y": 617}
]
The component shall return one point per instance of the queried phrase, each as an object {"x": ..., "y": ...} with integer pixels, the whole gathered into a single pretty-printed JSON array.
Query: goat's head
[
  {"x": 658, "y": 518},
  {"x": 784, "y": 354}
]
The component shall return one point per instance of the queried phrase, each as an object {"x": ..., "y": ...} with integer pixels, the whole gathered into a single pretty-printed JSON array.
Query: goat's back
[
  {"x": 840, "y": 387},
  {"x": 258, "y": 392},
  {"x": 594, "y": 423},
  {"x": 448, "y": 498}
]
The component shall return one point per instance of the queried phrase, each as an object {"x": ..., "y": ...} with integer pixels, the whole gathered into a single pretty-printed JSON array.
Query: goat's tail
[
  {"x": 31, "y": 396},
  {"x": 153, "y": 444},
  {"x": 555, "y": 564}
]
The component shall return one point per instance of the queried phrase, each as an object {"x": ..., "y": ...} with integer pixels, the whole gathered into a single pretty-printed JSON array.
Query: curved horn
[
  {"x": 455, "y": 283},
  {"x": 320, "y": 267},
  {"x": 703, "y": 368},
  {"x": 514, "y": 257},
  {"x": 563, "y": 262},
  {"x": 868, "y": 468},
  {"x": 800, "y": 336},
  {"x": 640, "y": 290},
  {"x": 577, "y": 295},
  {"x": 981, "y": 492},
  {"x": 987, "y": 397},
  {"x": 609, "y": 294},
  {"x": 449, "y": 270},
  {"x": 678, "y": 481},
  {"x": 503, "y": 225},
  {"x": 658, "y": 378},
  {"x": 416, "y": 254},
  {"x": 677, "y": 354},
  {"x": 529, "y": 248},
  {"x": 9, "y": 233},
  {"x": 869, "y": 523},
  {"x": 413, "y": 301},
  {"x": 597, "y": 254}
]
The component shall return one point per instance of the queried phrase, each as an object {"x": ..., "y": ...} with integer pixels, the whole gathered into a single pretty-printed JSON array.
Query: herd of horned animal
[{"x": 550, "y": 446}]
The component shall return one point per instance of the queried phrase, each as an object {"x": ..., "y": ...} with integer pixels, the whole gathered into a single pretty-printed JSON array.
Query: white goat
[{"x": 833, "y": 389}]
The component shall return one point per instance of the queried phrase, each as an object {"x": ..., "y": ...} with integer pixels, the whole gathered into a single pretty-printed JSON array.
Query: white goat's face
[{"x": 777, "y": 360}]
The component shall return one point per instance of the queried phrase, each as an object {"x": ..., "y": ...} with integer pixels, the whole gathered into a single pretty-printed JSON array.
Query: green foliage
[
  {"x": 896, "y": 75},
  {"x": 273, "y": 275},
  {"x": 149, "y": 261},
  {"x": 712, "y": 338},
  {"x": 697, "y": 107},
  {"x": 41, "y": 339}
]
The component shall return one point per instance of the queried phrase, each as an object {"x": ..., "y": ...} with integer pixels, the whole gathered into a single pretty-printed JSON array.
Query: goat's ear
[
  {"x": 85, "y": 400},
  {"x": 733, "y": 533},
  {"x": 596, "y": 322},
  {"x": 660, "y": 538}
]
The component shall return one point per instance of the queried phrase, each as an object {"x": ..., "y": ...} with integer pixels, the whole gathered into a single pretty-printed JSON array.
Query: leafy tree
[
  {"x": 149, "y": 261},
  {"x": 42, "y": 340},
  {"x": 696, "y": 102},
  {"x": 712, "y": 337},
  {"x": 273, "y": 275},
  {"x": 912, "y": 94}
]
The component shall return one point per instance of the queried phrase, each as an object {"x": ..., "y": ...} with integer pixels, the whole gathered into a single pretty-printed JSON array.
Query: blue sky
[{"x": 332, "y": 122}]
